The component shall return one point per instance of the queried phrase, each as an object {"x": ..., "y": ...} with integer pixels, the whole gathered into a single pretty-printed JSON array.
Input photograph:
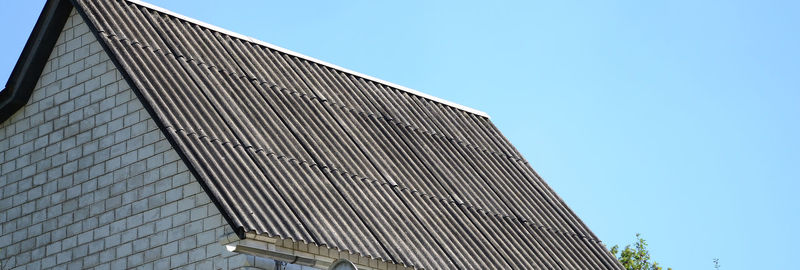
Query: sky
[{"x": 678, "y": 120}]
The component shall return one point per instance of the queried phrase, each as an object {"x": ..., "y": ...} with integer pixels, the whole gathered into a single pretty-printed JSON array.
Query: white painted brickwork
[{"x": 88, "y": 181}]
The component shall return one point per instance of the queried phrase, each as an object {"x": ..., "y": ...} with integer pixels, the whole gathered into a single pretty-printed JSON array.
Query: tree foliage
[{"x": 636, "y": 257}]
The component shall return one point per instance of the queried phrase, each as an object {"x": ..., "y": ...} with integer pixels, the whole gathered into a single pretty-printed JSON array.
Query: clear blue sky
[{"x": 677, "y": 120}]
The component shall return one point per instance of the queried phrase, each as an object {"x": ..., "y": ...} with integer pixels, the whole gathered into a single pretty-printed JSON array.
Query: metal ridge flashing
[{"x": 309, "y": 58}]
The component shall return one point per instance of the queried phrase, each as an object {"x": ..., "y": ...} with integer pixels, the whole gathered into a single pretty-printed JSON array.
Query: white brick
[
  {"x": 124, "y": 250},
  {"x": 135, "y": 259},
  {"x": 179, "y": 260},
  {"x": 107, "y": 255},
  {"x": 96, "y": 246},
  {"x": 89, "y": 181}
]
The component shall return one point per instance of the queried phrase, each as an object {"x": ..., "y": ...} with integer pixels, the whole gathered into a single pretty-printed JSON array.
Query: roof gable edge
[
  {"x": 34, "y": 56},
  {"x": 134, "y": 86}
]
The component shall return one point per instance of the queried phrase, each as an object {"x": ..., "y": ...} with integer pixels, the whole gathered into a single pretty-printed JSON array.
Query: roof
[{"x": 291, "y": 147}]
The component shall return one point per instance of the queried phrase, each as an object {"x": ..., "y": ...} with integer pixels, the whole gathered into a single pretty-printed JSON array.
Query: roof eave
[{"x": 34, "y": 56}]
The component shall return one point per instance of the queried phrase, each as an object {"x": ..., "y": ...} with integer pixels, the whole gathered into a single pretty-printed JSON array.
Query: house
[{"x": 133, "y": 137}]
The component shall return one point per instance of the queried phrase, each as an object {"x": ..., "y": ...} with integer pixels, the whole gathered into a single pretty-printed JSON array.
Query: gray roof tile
[{"x": 294, "y": 148}]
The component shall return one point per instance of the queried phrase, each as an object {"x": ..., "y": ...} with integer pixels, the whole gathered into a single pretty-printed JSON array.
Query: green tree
[{"x": 636, "y": 257}]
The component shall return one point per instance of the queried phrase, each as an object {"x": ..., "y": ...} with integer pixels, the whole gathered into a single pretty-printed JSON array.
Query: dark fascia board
[
  {"x": 114, "y": 58},
  {"x": 34, "y": 57}
]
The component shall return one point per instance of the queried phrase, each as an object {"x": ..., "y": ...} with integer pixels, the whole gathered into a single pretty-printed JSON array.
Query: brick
[
  {"x": 93, "y": 181},
  {"x": 85, "y": 237},
  {"x": 53, "y": 248},
  {"x": 181, "y": 218},
  {"x": 102, "y": 231},
  {"x": 92, "y": 60},
  {"x": 107, "y": 255},
  {"x": 106, "y": 105},
  {"x": 187, "y": 243},
  {"x": 162, "y": 263},
  {"x": 164, "y": 224},
  {"x": 138, "y": 167},
  {"x": 80, "y": 251},
  {"x": 141, "y": 244},
  {"x": 73, "y": 45},
  {"x": 124, "y": 249},
  {"x": 169, "y": 169},
  {"x": 206, "y": 238},
  {"x": 38, "y": 253},
  {"x": 134, "y": 221},
  {"x": 75, "y": 265},
  {"x": 155, "y": 161},
  {"x": 117, "y": 226},
  {"x": 151, "y": 215},
  {"x": 91, "y": 260},
  {"x": 146, "y": 191},
  {"x": 152, "y": 137},
  {"x": 63, "y": 257},
  {"x": 176, "y": 233},
  {"x": 174, "y": 194},
  {"x": 157, "y": 200},
  {"x": 128, "y": 158},
  {"x": 135, "y": 259},
  {"x": 129, "y": 235},
  {"x": 130, "y": 195},
  {"x": 69, "y": 242},
  {"x": 194, "y": 227},
  {"x": 152, "y": 254},
  {"x": 178, "y": 260},
  {"x": 139, "y": 206},
  {"x": 146, "y": 229},
  {"x": 74, "y": 192},
  {"x": 96, "y": 246},
  {"x": 48, "y": 262},
  {"x": 158, "y": 238},
  {"x": 77, "y": 227},
  {"x": 28, "y": 244},
  {"x": 99, "y": 69},
  {"x": 186, "y": 203},
  {"x": 113, "y": 240},
  {"x": 197, "y": 254},
  {"x": 169, "y": 249}
]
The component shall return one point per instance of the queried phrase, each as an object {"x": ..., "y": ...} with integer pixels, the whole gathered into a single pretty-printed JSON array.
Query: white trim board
[{"x": 309, "y": 58}]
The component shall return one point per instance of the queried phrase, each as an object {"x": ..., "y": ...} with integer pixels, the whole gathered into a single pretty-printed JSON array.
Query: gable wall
[{"x": 88, "y": 180}]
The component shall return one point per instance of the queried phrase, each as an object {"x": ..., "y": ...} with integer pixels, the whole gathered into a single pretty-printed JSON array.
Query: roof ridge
[{"x": 309, "y": 58}]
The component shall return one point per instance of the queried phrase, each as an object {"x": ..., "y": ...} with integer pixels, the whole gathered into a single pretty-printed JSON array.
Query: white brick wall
[{"x": 88, "y": 181}]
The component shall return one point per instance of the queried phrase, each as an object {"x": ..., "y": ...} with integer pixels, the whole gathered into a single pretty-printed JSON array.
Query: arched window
[{"x": 342, "y": 264}]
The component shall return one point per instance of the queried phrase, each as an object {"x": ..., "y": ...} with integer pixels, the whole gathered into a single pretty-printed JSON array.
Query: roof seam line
[
  {"x": 444, "y": 181},
  {"x": 171, "y": 49},
  {"x": 405, "y": 124},
  {"x": 331, "y": 181},
  {"x": 424, "y": 195},
  {"x": 381, "y": 173}
]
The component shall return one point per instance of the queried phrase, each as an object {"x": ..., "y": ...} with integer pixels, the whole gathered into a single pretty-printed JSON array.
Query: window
[{"x": 342, "y": 264}]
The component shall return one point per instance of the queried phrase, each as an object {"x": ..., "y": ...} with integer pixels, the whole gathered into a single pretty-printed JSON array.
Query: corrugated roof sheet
[{"x": 295, "y": 148}]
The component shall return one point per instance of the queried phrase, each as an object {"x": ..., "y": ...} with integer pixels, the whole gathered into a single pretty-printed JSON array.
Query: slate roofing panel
[{"x": 295, "y": 148}]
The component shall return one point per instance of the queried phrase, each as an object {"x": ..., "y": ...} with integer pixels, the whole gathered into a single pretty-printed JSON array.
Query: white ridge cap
[{"x": 290, "y": 52}]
